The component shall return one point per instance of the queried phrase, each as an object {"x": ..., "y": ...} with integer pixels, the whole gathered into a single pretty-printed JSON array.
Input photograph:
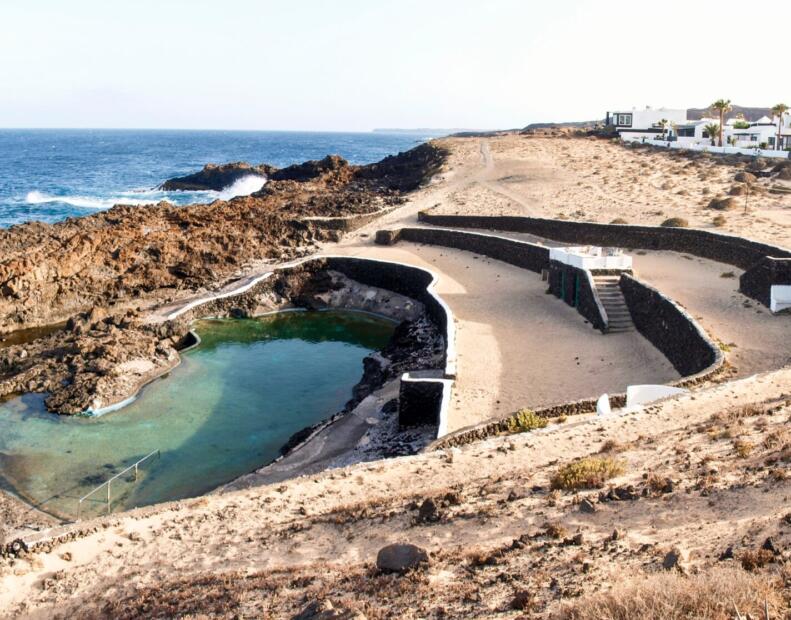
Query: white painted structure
[
  {"x": 721, "y": 150},
  {"x": 637, "y": 395},
  {"x": 780, "y": 297},
  {"x": 603, "y": 405},
  {"x": 769, "y": 134},
  {"x": 591, "y": 257}
]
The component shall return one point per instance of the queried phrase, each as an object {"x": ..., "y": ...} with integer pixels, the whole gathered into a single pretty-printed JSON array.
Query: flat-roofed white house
[
  {"x": 737, "y": 133},
  {"x": 637, "y": 124}
]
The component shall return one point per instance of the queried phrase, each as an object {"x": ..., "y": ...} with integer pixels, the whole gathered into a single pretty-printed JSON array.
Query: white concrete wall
[
  {"x": 643, "y": 394},
  {"x": 589, "y": 258},
  {"x": 723, "y": 150},
  {"x": 780, "y": 297}
]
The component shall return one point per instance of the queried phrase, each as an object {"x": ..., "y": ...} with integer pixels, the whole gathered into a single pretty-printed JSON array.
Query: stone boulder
[{"x": 401, "y": 557}]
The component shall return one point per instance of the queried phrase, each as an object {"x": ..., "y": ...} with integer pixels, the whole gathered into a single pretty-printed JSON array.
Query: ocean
[{"x": 48, "y": 175}]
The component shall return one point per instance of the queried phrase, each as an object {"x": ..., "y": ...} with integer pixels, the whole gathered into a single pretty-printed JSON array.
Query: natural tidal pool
[{"x": 226, "y": 410}]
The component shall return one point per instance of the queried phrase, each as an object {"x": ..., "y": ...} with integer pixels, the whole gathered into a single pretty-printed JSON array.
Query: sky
[{"x": 353, "y": 65}]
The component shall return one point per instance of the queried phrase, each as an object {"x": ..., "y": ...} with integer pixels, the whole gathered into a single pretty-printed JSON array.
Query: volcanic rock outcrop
[
  {"x": 128, "y": 255},
  {"x": 216, "y": 177}
]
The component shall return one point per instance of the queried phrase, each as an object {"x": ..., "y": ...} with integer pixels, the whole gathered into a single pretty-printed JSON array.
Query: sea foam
[{"x": 243, "y": 186}]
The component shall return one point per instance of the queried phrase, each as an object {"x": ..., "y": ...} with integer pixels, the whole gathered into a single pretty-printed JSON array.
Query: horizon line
[{"x": 373, "y": 130}]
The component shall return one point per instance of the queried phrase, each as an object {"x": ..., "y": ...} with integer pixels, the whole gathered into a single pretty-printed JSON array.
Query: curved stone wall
[
  {"x": 658, "y": 318},
  {"x": 738, "y": 251}
]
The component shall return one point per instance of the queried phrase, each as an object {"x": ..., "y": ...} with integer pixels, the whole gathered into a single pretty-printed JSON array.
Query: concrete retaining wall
[{"x": 346, "y": 223}]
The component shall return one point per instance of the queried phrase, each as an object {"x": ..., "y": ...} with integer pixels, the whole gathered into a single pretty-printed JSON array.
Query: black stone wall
[
  {"x": 572, "y": 285},
  {"x": 404, "y": 279},
  {"x": 520, "y": 253},
  {"x": 757, "y": 281},
  {"x": 737, "y": 251},
  {"x": 420, "y": 402},
  {"x": 669, "y": 328}
]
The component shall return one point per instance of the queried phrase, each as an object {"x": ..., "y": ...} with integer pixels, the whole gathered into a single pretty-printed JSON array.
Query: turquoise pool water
[{"x": 226, "y": 410}]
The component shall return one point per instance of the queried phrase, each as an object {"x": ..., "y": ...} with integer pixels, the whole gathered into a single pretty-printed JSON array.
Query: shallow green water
[{"x": 227, "y": 409}]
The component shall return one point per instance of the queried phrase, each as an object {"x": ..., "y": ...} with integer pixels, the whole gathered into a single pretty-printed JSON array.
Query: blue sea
[{"x": 51, "y": 174}]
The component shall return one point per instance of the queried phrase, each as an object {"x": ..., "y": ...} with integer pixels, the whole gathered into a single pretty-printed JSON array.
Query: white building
[
  {"x": 737, "y": 133},
  {"x": 638, "y": 124}
]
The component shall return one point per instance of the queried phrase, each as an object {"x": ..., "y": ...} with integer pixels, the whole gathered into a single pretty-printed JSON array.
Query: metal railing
[{"x": 109, "y": 483}]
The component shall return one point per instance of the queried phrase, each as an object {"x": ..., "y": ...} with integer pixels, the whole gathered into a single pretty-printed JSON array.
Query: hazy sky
[{"x": 356, "y": 65}]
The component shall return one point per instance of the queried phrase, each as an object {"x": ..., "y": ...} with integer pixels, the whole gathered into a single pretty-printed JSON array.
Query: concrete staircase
[{"x": 620, "y": 319}]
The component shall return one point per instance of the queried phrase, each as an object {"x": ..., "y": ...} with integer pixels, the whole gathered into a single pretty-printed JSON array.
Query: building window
[{"x": 625, "y": 119}]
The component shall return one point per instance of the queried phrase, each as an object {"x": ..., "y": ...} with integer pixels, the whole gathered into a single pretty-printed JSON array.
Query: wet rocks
[
  {"x": 216, "y": 176},
  {"x": 401, "y": 557},
  {"x": 96, "y": 360}
]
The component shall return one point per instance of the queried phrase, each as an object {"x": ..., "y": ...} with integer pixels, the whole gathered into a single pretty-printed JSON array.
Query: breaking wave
[
  {"x": 241, "y": 187},
  {"x": 85, "y": 202}
]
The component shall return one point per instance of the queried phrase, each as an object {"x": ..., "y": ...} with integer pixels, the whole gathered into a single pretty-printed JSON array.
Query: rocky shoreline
[{"x": 103, "y": 274}]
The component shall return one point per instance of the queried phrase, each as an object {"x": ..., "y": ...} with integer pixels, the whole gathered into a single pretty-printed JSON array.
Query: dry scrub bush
[
  {"x": 525, "y": 420},
  {"x": 671, "y": 596},
  {"x": 590, "y": 472},
  {"x": 675, "y": 222},
  {"x": 743, "y": 448},
  {"x": 723, "y": 203},
  {"x": 719, "y": 221},
  {"x": 610, "y": 445}
]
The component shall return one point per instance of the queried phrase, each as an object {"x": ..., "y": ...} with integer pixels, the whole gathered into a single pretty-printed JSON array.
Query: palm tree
[
  {"x": 712, "y": 129},
  {"x": 779, "y": 110},
  {"x": 723, "y": 106},
  {"x": 663, "y": 125}
]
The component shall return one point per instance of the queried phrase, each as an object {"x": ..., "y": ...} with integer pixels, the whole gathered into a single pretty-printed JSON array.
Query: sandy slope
[{"x": 596, "y": 180}]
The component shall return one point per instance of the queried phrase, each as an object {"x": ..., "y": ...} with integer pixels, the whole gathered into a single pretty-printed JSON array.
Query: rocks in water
[
  {"x": 216, "y": 177},
  {"x": 401, "y": 557}
]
